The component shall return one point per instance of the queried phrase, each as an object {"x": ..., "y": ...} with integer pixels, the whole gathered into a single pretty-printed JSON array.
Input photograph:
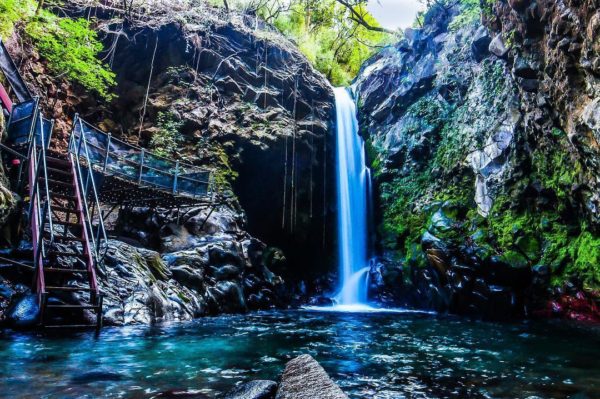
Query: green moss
[
  {"x": 585, "y": 255},
  {"x": 157, "y": 267},
  {"x": 373, "y": 158},
  {"x": 514, "y": 258},
  {"x": 469, "y": 124},
  {"x": 469, "y": 15},
  {"x": 556, "y": 168},
  {"x": 12, "y": 12},
  {"x": 401, "y": 224},
  {"x": 224, "y": 174},
  {"x": 543, "y": 236},
  {"x": 71, "y": 48},
  {"x": 471, "y": 12}
]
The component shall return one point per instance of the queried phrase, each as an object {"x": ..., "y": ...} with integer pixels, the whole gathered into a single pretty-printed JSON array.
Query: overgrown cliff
[
  {"x": 483, "y": 133},
  {"x": 208, "y": 87}
]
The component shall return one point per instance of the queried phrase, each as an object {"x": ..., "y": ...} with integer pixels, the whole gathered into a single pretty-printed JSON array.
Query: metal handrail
[
  {"x": 142, "y": 165},
  {"x": 42, "y": 166},
  {"x": 100, "y": 234},
  {"x": 147, "y": 166},
  {"x": 39, "y": 215}
]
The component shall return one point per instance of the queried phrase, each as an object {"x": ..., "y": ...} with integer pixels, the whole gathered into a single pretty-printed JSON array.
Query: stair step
[
  {"x": 58, "y": 237},
  {"x": 66, "y": 173},
  {"x": 71, "y": 289},
  {"x": 58, "y": 183},
  {"x": 57, "y": 161},
  {"x": 67, "y": 254},
  {"x": 54, "y": 195},
  {"x": 68, "y": 224},
  {"x": 63, "y": 270},
  {"x": 65, "y": 210},
  {"x": 72, "y": 306}
]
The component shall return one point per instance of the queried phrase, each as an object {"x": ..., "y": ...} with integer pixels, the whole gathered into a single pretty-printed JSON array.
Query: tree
[{"x": 336, "y": 35}]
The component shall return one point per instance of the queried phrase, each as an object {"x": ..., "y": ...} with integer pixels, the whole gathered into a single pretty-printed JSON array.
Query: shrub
[
  {"x": 71, "y": 48},
  {"x": 166, "y": 141}
]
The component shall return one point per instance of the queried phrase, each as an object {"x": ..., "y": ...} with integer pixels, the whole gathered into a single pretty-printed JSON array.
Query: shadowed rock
[{"x": 304, "y": 378}]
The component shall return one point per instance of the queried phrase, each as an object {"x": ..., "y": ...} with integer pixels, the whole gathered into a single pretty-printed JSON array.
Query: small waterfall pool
[{"x": 371, "y": 355}]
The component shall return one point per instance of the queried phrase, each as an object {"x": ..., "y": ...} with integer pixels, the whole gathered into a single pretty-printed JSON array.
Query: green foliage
[
  {"x": 166, "y": 141},
  {"x": 333, "y": 42},
  {"x": 470, "y": 14},
  {"x": 471, "y": 11},
  {"x": 556, "y": 169},
  {"x": 71, "y": 48},
  {"x": 510, "y": 38},
  {"x": 11, "y": 12},
  {"x": 224, "y": 174},
  {"x": 585, "y": 255}
]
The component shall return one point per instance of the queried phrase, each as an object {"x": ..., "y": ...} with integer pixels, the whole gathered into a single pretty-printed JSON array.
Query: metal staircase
[
  {"x": 64, "y": 193},
  {"x": 66, "y": 244}
]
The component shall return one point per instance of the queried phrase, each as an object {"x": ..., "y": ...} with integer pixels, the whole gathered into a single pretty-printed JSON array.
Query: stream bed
[{"x": 372, "y": 355}]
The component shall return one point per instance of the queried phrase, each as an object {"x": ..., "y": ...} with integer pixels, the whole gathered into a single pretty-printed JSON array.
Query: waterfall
[{"x": 352, "y": 179}]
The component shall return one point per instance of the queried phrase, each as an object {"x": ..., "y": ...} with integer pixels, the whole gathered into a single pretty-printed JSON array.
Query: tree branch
[{"x": 360, "y": 19}]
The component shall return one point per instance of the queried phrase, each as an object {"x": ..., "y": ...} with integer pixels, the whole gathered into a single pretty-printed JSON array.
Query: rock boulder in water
[
  {"x": 25, "y": 312},
  {"x": 259, "y": 389},
  {"x": 304, "y": 378}
]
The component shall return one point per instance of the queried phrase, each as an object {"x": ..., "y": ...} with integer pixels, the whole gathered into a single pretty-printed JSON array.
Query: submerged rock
[
  {"x": 304, "y": 378},
  {"x": 96, "y": 376},
  {"x": 24, "y": 312},
  {"x": 259, "y": 389}
]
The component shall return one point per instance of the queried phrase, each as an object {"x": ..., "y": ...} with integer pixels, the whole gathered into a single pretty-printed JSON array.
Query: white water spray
[{"x": 352, "y": 175}]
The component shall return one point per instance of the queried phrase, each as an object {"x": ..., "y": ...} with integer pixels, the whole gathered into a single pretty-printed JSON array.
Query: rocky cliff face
[
  {"x": 483, "y": 138},
  {"x": 251, "y": 105},
  {"x": 248, "y": 103},
  {"x": 239, "y": 98}
]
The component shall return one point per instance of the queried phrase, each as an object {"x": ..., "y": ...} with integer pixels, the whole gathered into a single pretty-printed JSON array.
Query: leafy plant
[
  {"x": 71, "y": 48},
  {"x": 470, "y": 13},
  {"x": 331, "y": 36},
  {"x": 166, "y": 141}
]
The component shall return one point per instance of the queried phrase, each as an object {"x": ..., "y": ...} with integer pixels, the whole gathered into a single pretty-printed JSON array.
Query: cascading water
[{"x": 352, "y": 177}]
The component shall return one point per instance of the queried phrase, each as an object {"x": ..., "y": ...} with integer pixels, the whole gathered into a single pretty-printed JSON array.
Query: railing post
[
  {"x": 175, "y": 178},
  {"x": 73, "y": 132},
  {"x": 107, "y": 152},
  {"x": 79, "y": 145},
  {"x": 141, "y": 167}
]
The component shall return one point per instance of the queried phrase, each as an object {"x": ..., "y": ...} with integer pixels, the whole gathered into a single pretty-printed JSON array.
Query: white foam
[{"x": 362, "y": 308}]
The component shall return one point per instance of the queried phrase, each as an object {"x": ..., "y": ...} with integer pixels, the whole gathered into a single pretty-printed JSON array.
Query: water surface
[{"x": 374, "y": 355}]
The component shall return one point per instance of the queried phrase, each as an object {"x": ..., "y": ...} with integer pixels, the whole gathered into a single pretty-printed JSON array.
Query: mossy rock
[
  {"x": 514, "y": 259},
  {"x": 530, "y": 246}
]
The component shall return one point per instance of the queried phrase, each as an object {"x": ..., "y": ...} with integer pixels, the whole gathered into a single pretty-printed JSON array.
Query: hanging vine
[{"x": 143, "y": 114}]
